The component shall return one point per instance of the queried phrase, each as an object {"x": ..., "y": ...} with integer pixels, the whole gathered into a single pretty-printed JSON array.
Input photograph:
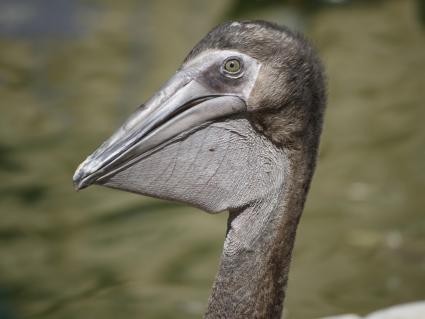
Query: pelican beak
[{"x": 183, "y": 103}]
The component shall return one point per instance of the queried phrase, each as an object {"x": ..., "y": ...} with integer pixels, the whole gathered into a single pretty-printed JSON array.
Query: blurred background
[{"x": 72, "y": 71}]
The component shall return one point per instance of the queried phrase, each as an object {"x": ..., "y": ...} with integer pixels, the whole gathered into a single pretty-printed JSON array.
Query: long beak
[{"x": 181, "y": 104}]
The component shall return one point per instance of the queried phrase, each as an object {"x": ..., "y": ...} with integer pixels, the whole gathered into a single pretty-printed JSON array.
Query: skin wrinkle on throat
[
  {"x": 249, "y": 225},
  {"x": 248, "y": 255}
]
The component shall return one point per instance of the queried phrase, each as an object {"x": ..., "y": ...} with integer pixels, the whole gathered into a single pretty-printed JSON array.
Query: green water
[{"x": 70, "y": 72}]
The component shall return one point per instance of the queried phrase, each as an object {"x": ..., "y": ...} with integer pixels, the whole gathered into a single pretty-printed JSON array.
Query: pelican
[{"x": 236, "y": 129}]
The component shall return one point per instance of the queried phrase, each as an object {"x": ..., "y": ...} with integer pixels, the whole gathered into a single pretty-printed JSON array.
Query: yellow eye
[{"x": 232, "y": 66}]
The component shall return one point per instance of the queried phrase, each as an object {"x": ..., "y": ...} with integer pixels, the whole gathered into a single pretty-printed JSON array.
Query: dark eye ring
[{"x": 232, "y": 66}]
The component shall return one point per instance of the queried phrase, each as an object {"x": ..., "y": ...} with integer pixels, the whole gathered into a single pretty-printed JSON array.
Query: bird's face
[
  {"x": 190, "y": 142},
  {"x": 193, "y": 141}
]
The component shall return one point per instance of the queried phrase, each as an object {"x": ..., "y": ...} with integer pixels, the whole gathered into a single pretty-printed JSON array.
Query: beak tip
[
  {"x": 79, "y": 179},
  {"x": 79, "y": 186}
]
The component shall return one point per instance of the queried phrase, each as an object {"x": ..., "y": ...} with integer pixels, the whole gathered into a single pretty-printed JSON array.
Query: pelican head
[{"x": 216, "y": 134}]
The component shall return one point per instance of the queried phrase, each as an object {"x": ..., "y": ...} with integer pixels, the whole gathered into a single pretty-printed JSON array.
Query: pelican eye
[{"x": 232, "y": 66}]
